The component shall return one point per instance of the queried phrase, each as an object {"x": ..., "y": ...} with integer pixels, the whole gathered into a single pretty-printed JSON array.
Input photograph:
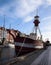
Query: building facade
[{"x": 8, "y": 34}]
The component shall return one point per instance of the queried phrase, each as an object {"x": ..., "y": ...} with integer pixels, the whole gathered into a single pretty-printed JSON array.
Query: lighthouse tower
[{"x": 36, "y": 26}]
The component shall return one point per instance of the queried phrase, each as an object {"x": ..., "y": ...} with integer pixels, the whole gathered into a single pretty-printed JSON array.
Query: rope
[
  {"x": 39, "y": 31},
  {"x": 21, "y": 47},
  {"x": 40, "y": 34}
]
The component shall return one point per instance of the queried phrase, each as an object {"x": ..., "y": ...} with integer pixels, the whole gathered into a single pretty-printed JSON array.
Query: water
[{"x": 7, "y": 53}]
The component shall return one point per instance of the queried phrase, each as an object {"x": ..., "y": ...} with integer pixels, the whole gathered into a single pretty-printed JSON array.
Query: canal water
[{"x": 7, "y": 53}]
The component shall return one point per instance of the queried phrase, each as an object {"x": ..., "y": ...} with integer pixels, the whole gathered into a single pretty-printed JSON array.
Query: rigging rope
[{"x": 21, "y": 47}]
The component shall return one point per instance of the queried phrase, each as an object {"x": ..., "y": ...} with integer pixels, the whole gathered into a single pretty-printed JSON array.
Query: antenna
[
  {"x": 10, "y": 26},
  {"x": 36, "y": 17},
  {"x": 3, "y": 40},
  {"x": 4, "y": 22},
  {"x": 37, "y": 11},
  {"x": 9, "y": 33},
  {"x": 3, "y": 26}
]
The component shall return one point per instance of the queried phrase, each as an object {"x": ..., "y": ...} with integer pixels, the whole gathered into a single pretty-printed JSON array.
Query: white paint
[
  {"x": 28, "y": 45},
  {"x": 39, "y": 47},
  {"x": 11, "y": 45},
  {"x": 24, "y": 45}
]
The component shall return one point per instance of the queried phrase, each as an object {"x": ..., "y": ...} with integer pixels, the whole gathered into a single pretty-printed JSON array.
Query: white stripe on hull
[
  {"x": 27, "y": 45},
  {"x": 24, "y": 45}
]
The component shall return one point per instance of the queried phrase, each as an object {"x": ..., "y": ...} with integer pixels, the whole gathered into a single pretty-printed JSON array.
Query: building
[
  {"x": 8, "y": 34},
  {"x": 3, "y": 33}
]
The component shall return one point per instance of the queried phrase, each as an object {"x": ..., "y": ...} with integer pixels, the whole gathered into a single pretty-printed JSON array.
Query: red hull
[
  {"x": 24, "y": 39},
  {"x": 27, "y": 46},
  {"x": 23, "y": 50}
]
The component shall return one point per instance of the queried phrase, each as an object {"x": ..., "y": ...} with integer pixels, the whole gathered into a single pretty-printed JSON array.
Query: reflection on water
[{"x": 7, "y": 53}]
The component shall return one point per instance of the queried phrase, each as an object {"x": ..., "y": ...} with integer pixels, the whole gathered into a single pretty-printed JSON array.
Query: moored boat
[{"x": 28, "y": 44}]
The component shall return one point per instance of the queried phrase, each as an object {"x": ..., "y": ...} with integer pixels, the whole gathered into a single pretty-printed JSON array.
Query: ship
[{"x": 26, "y": 44}]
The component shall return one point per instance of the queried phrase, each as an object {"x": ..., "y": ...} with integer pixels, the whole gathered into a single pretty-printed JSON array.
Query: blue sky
[{"x": 20, "y": 14}]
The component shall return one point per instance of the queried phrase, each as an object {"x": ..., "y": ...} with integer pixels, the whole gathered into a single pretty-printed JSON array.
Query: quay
[
  {"x": 38, "y": 57},
  {"x": 10, "y": 58}
]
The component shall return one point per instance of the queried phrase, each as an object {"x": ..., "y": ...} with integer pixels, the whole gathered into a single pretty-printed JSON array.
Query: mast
[
  {"x": 4, "y": 27},
  {"x": 9, "y": 31},
  {"x": 3, "y": 33},
  {"x": 36, "y": 25}
]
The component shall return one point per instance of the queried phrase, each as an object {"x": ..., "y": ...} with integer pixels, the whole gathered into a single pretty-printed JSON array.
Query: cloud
[
  {"x": 46, "y": 18},
  {"x": 28, "y": 19},
  {"x": 47, "y": 35},
  {"x": 46, "y": 23},
  {"x": 20, "y": 8},
  {"x": 48, "y": 2},
  {"x": 27, "y": 6},
  {"x": 46, "y": 27}
]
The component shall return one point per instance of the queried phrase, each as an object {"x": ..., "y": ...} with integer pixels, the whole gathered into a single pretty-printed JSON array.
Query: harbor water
[{"x": 7, "y": 52}]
